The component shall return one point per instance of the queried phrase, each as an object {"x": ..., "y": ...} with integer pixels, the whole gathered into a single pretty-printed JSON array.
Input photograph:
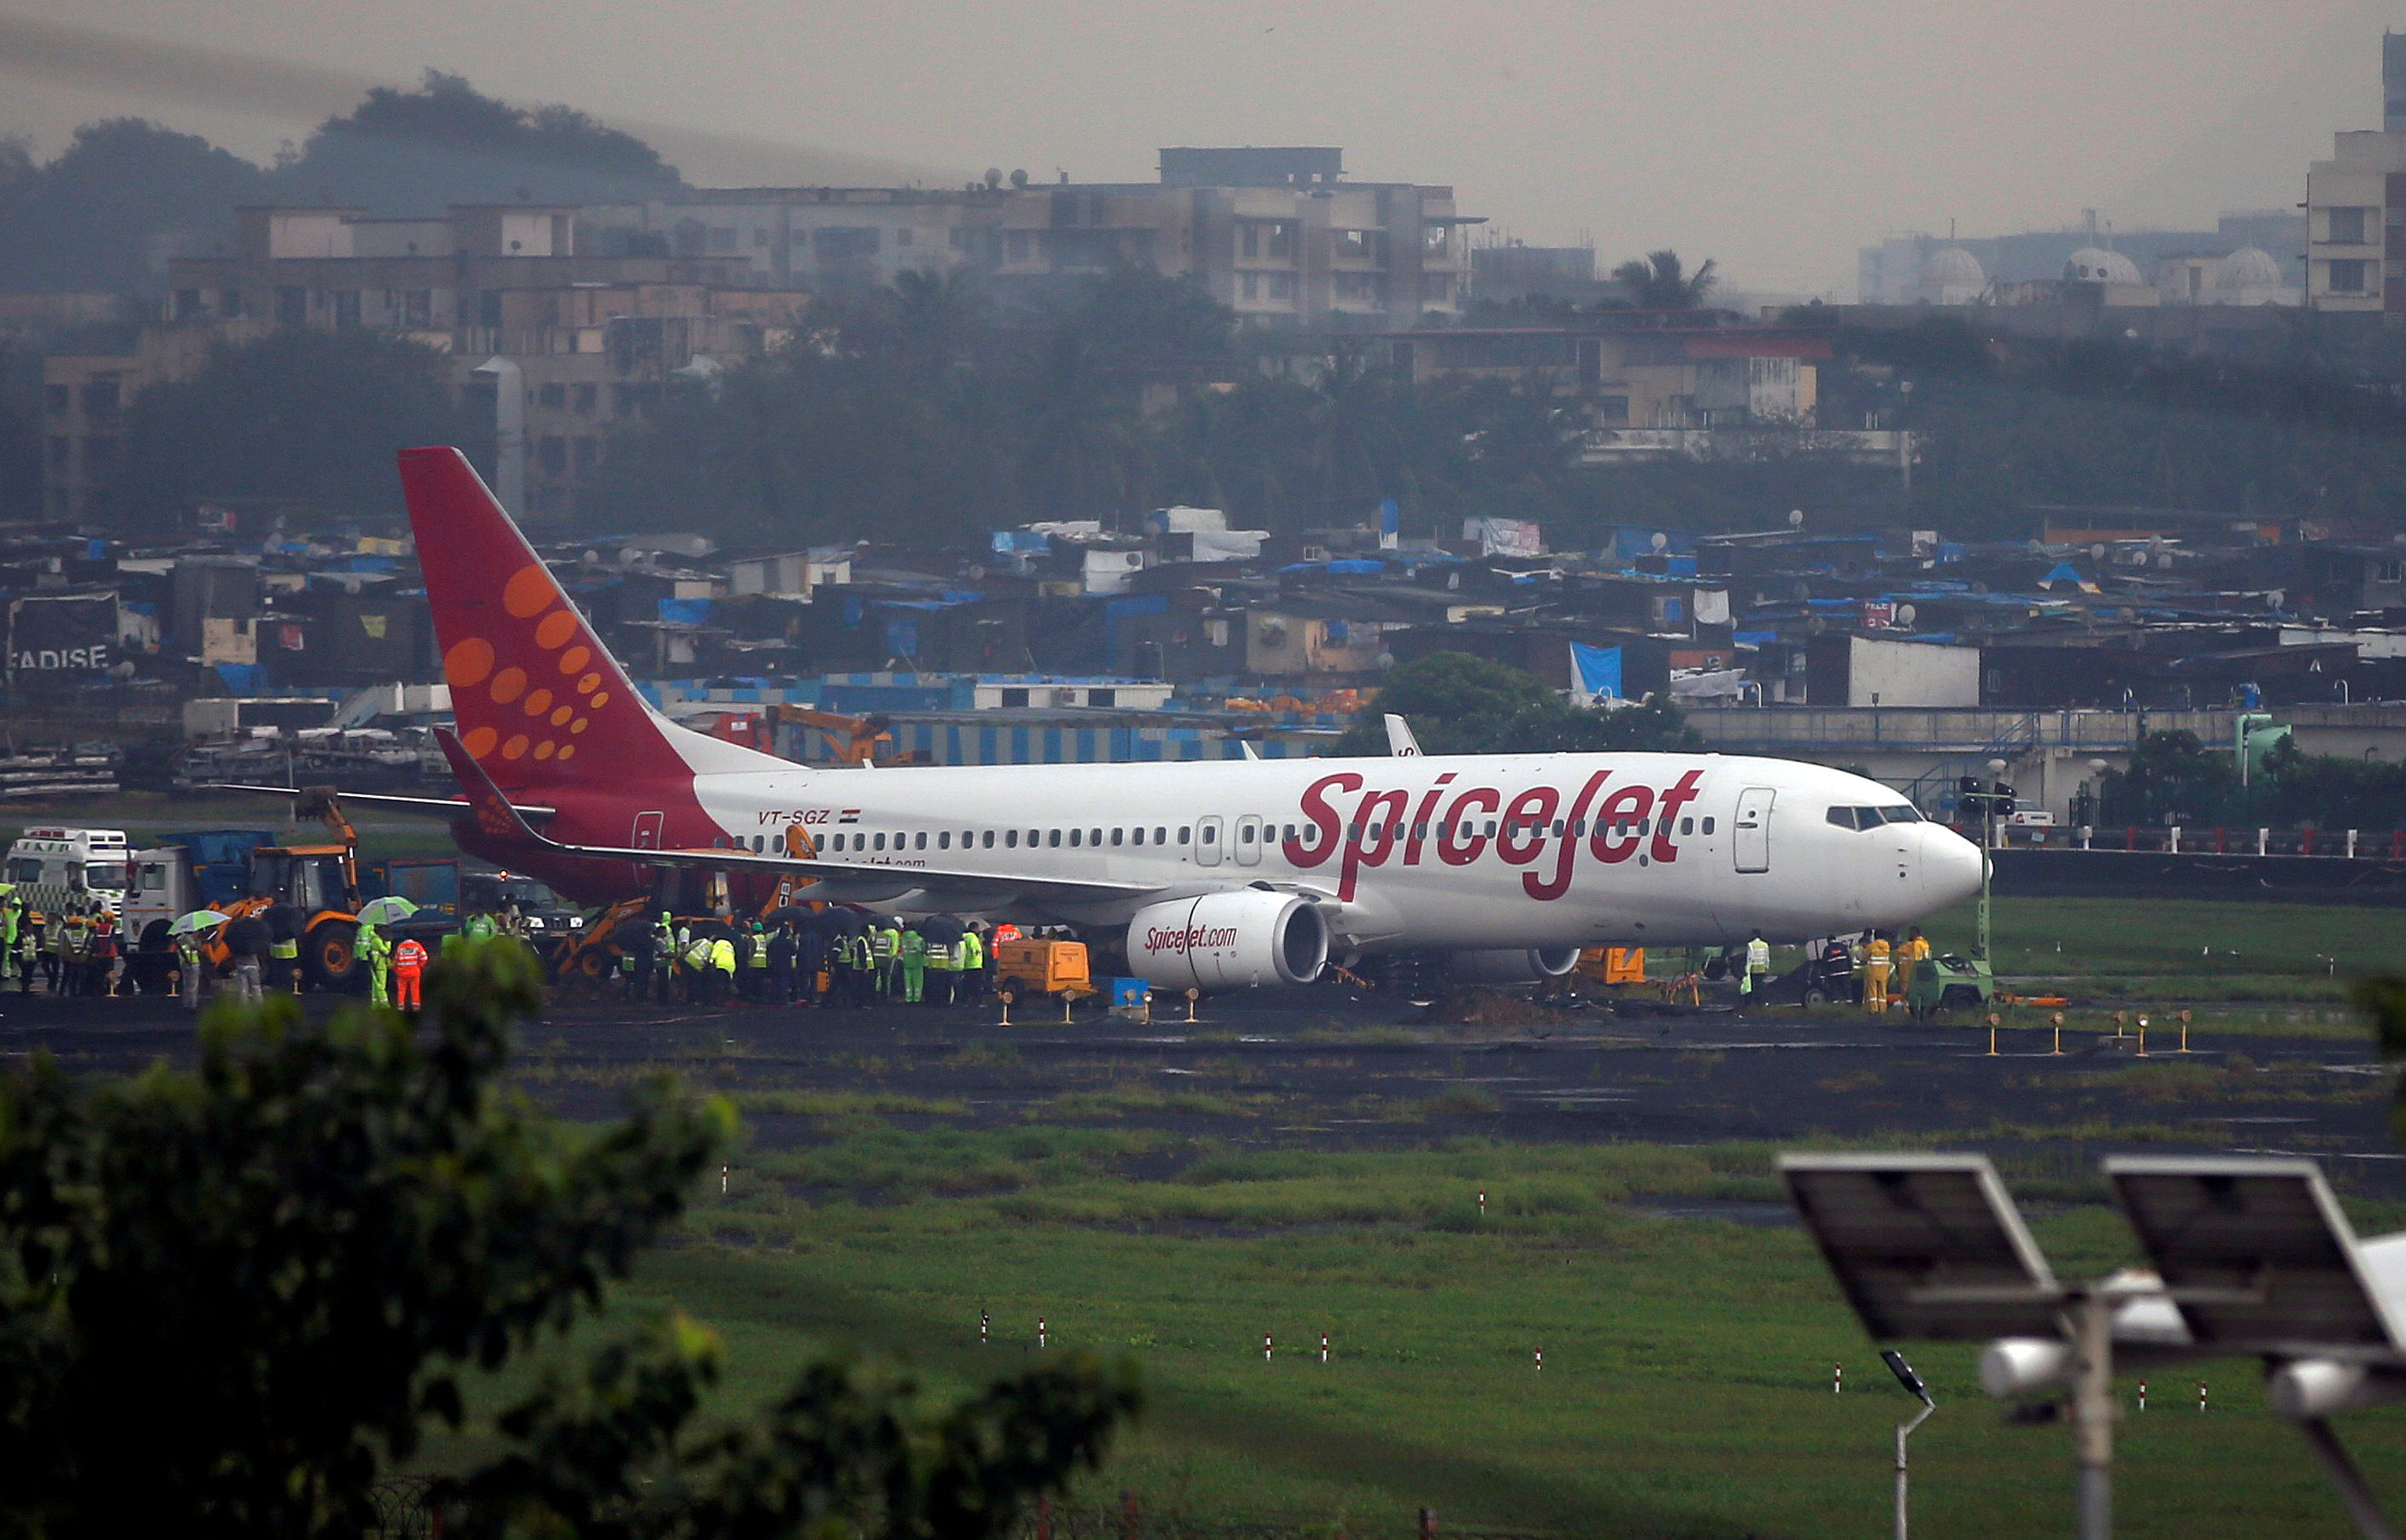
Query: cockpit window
[
  {"x": 1902, "y": 812},
  {"x": 1868, "y": 818},
  {"x": 1846, "y": 817}
]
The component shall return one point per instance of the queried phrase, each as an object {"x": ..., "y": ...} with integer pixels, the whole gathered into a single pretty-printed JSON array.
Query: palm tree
[{"x": 1660, "y": 282}]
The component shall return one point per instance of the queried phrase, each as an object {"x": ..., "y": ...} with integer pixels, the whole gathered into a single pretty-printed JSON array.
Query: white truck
[{"x": 53, "y": 866}]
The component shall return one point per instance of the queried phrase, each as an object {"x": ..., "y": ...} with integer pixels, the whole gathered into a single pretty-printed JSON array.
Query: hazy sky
[{"x": 1776, "y": 137}]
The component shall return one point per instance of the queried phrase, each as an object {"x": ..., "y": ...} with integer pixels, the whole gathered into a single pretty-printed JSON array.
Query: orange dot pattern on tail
[{"x": 539, "y": 629}]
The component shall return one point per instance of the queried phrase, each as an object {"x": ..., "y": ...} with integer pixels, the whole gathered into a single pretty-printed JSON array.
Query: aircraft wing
[
  {"x": 502, "y": 821},
  {"x": 446, "y": 805}
]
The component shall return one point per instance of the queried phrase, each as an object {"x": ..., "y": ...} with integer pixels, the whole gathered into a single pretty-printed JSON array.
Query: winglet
[
  {"x": 1399, "y": 735},
  {"x": 494, "y": 816}
]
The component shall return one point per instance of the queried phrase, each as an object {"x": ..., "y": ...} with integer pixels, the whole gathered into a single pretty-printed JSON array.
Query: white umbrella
[
  {"x": 197, "y": 921},
  {"x": 383, "y": 911}
]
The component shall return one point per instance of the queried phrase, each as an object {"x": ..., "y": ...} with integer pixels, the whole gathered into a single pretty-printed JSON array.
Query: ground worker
[
  {"x": 812, "y": 975},
  {"x": 911, "y": 959},
  {"x": 944, "y": 970},
  {"x": 862, "y": 968},
  {"x": 249, "y": 965},
  {"x": 722, "y": 957},
  {"x": 664, "y": 955},
  {"x": 781, "y": 950},
  {"x": 29, "y": 949},
  {"x": 376, "y": 950},
  {"x": 408, "y": 966},
  {"x": 1911, "y": 957},
  {"x": 885, "y": 951},
  {"x": 756, "y": 963},
  {"x": 101, "y": 951},
  {"x": 72, "y": 931},
  {"x": 634, "y": 965},
  {"x": 1758, "y": 965},
  {"x": 54, "y": 952},
  {"x": 12, "y": 915},
  {"x": 187, "y": 970},
  {"x": 972, "y": 964},
  {"x": 695, "y": 960},
  {"x": 479, "y": 925},
  {"x": 284, "y": 952},
  {"x": 1876, "y": 966}
]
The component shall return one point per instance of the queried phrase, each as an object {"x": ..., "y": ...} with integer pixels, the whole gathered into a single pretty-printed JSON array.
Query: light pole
[
  {"x": 1988, "y": 845},
  {"x": 1920, "y": 1391}
]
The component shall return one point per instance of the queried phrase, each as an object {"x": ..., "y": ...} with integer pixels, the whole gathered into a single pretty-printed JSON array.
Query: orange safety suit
[{"x": 408, "y": 964}]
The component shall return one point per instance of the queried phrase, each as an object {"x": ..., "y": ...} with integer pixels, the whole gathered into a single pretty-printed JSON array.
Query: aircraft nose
[{"x": 1950, "y": 865}]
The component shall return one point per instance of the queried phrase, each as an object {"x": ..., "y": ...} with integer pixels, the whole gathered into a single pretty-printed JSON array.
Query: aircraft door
[
  {"x": 1750, "y": 838},
  {"x": 1248, "y": 839},
  {"x": 1207, "y": 842}
]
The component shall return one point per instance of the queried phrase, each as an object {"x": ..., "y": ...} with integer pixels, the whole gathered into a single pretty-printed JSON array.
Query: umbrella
[
  {"x": 196, "y": 922},
  {"x": 936, "y": 926},
  {"x": 285, "y": 922},
  {"x": 790, "y": 912},
  {"x": 385, "y": 911}
]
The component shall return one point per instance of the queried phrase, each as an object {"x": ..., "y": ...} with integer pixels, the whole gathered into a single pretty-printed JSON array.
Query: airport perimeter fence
[{"x": 405, "y": 1511}]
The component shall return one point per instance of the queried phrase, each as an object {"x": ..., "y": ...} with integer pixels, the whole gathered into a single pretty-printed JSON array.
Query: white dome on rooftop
[
  {"x": 1953, "y": 275},
  {"x": 2095, "y": 264},
  {"x": 2249, "y": 267}
]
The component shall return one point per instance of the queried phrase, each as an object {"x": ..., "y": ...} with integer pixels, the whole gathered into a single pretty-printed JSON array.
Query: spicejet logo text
[
  {"x": 1381, "y": 827},
  {"x": 1190, "y": 939}
]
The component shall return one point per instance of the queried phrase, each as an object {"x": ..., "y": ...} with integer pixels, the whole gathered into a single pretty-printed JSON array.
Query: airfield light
[
  {"x": 1920, "y": 1391},
  {"x": 2248, "y": 1257}
]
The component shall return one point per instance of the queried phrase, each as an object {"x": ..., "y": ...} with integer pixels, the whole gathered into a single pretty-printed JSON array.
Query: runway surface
[{"x": 1325, "y": 1068}]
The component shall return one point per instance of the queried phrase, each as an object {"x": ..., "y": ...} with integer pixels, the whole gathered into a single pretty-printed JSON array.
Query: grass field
[{"x": 1686, "y": 1388}]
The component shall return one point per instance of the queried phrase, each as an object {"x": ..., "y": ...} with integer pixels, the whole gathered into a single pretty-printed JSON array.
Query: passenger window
[
  {"x": 881, "y": 841},
  {"x": 1161, "y": 835},
  {"x": 1073, "y": 839},
  {"x": 1491, "y": 829},
  {"x": 1353, "y": 832},
  {"x": 1708, "y": 825},
  {"x": 1116, "y": 836},
  {"x": 1244, "y": 834},
  {"x": 945, "y": 841},
  {"x": 1687, "y": 825},
  {"x": 1010, "y": 839},
  {"x": 1095, "y": 837},
  {"x": 1056, "y": 842},
  {"x": 987, "y": 842},
  {"x": 1135, "y": 835},
  {"x": 1420, "y": 831},
  {"x": 1210, "y": 837},
  {"x": 919, "y": 843},
  {"x": 1182, "y": 831}
]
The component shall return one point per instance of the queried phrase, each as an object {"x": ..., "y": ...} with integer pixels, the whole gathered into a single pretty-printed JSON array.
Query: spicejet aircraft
[{"x": 1221, "y": 874}]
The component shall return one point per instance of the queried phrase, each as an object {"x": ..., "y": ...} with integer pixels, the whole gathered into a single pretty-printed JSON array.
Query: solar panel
[
  {"x": 2257, "y": 1256},
  {"x": 1925, "y": 1245}
]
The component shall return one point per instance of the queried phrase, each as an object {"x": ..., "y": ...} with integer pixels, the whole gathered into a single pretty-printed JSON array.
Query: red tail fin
[{"x": 539, "y": 700}]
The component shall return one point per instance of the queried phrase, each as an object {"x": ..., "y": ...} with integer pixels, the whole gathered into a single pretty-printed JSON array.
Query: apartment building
[
  {"x": 1275, "y": 234},
  {"x": 597, "y": 336},
  {"x": 2356, "y": 226}
]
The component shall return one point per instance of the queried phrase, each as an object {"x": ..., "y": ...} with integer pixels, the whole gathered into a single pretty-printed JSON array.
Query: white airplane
[{"x": 1218, "y": 874}]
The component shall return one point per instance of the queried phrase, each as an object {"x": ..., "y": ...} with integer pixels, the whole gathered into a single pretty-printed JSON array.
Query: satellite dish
[
  {"x": 1905, "y": 614},
  {"x": 1796, "y": 518},
  {"x": 1660, "y": 539},
  {"x": 2097, "y": 553},
  {"x": 1019, "y": 178},
  {"x": 993, "y": 177}
]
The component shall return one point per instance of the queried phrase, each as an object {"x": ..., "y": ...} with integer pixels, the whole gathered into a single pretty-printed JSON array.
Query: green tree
[
  {"x": 2384, "y": 998},
  {"x": 231, "y": 1298},
  {"x": 1661, "y": 281},
  {"x": 89, "y": 219},
  {"x": 300, "y": 413},
  {"x": 2172, "y": 777},
  {"x": 1460, "y": 704},
  {"x": 415, "y": 152}
]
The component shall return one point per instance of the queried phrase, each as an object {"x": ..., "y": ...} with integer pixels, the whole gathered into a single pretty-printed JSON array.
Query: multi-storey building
[
  {"x": 595, "y": 337},
  {"x": 2356, "y": 226},
  {"x": 1275, "y": 234}
]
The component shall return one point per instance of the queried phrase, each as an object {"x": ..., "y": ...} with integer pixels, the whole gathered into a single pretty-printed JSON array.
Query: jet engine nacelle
[
  {"x": 1228, "y": 941},
  {"x": 1512, "y": 965}
]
